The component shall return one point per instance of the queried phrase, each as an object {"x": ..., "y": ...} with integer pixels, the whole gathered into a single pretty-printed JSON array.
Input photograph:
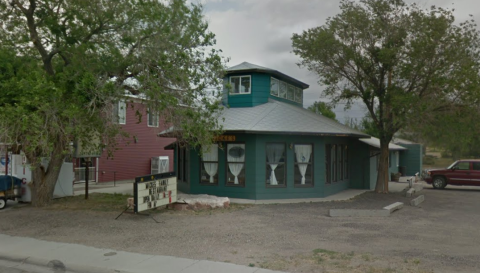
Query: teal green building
[{"x": 273, "y": 148}]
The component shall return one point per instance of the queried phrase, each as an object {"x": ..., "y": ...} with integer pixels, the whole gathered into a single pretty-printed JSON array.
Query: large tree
[
  {"x": 64, "y": 65},
  {"x": 404, "y": 63},
  {"x": 322, "y": 108}
]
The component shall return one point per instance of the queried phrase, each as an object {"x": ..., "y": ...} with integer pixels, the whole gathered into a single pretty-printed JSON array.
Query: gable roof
[
  {"x": 246, "y": 67},
  {"x": 282, "y": 118},
  {"x": 375, "y": 142}
]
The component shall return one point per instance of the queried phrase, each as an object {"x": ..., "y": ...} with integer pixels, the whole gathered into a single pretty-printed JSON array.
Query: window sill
[
  {"x": 304, "y": 185},
  {"x": 236, "y": 94},
  {"x": 275, "y": 186},
  {"x": 235, "y": 185},
  {"x": 208, "y": 184}
]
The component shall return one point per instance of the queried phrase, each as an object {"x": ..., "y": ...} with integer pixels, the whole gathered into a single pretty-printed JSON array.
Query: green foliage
[
  {"x": 404, "y": 63},
  {"x": 65, "y": 64},
  {"x": 322, "y": 108}
]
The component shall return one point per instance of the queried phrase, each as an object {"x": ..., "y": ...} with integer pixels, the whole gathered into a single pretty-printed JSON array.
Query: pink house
[{"x": 133, "y": 156}]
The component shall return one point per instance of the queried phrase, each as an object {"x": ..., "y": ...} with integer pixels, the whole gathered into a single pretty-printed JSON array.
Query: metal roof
[
  {"x": 248, "y": 67},
  {"x": 282, "y": 118},
  {"x": 375, "y": 142}
]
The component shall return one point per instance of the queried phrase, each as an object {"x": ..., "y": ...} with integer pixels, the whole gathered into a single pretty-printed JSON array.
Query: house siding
[
  {"x": 260, "y": 92},
  {"x": 412, "y": 159},
  {"x": 132, "y": 158},
  {"x": 255, "y": 169}
]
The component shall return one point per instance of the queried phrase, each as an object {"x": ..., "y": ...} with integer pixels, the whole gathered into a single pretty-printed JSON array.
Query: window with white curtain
[
  {"x": 275, "y": 158},
  {"x": 120, "y": 112},
  {"x": 235, "y": 164},
  {"x": 303, "y": 165},
  {"x": 209, "y": 165}
]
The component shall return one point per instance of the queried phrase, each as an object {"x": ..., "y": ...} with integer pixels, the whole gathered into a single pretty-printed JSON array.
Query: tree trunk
[
  {"x": 383, "y": 172},
  {"x": 45, "y": 177}
]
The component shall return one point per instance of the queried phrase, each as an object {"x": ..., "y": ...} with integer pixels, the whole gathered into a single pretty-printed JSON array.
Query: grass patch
[{"x": 95, "y": 202}]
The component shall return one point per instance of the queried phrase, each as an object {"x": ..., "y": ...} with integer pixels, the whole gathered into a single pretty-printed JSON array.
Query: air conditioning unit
[{"x": 159, "y": 164}]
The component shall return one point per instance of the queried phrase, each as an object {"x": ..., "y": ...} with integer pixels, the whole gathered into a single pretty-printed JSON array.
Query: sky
[{"x": 260, "y": 31}]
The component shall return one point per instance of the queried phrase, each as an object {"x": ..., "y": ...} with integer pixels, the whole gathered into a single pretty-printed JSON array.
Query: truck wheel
[
  {"x": 439, "y": 182},
  {"x": 3, "y": 203}
]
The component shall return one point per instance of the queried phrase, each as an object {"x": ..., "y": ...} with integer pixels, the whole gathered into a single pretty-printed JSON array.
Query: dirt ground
[{"x": 440, "y": 236}]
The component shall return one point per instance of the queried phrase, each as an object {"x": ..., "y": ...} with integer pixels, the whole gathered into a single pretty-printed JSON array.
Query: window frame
[
  {"x": 340, "y": 162},
  {"x": 272, "y": 79},
  {"x": 298, "y": 91},
  {"x": 182, "y": 164},
  {"x": 346, "y": 175},
  {"x": 334, "y": 164},
  {"x": 233, "y": 86},
  {"x": 328, "y": 160},
  {"x": 397, "y": 157},
  {"x": 227, "y": 184},
  {"x": 149, "y": 115},
  {"x": 210, "y": 161},
  {"x": 284, "y": 185},
  {"x": 120, "y": 110},
  {"x": 311, "y": 163}
]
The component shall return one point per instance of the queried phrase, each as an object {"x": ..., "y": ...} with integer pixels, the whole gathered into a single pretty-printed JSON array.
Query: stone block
[
  {"x": 417, "y": 201},
  {"x": 359, "y": 213},
  {"x": 410, "y": 192},
  {"x": 393, "y": 207}
]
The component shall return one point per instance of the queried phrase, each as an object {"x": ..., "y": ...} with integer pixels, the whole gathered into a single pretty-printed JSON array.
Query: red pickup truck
[{"x": 465, "y": 172}]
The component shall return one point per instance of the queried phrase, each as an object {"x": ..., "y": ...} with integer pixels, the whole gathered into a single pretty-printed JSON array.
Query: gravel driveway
[{"x": 440, "y": 236}]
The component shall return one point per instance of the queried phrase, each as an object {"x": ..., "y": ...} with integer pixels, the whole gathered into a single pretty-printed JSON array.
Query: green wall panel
[
  {"x": 260, "y": 92},
  {"x": 412, "y": 158},
  {"x": 256, "y": 168}
]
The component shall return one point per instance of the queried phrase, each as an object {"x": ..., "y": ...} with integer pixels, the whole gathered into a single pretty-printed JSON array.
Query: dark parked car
[{"x": 465, "y": 172}]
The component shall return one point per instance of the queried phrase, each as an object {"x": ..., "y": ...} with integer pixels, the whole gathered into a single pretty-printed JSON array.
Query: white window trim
[
  {"x": 397, "y": 157},
  {"x": 148, "y": 119},
  {"x": 250, "y": 87},
  {"x": 287, "y": 85},
  {"x": 122, "y": 112}
]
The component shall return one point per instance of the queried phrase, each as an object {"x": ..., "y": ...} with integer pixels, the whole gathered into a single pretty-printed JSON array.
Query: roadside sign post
[{"x": 153, "y": 191}]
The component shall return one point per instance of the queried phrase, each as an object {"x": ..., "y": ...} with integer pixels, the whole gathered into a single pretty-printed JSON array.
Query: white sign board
[{"x": 153, "y": 191}]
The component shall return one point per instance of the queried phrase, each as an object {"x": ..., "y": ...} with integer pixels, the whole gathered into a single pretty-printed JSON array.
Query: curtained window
[
  {"x": 303, "y": 165},
  {"x": 235, "y": 164},
  {"x": 275, "y": 158},
  {"x": 209, "y": 165}
]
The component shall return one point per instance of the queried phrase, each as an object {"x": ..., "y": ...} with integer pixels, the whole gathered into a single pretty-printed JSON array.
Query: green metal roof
[{"x": 275, "y": 117}]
